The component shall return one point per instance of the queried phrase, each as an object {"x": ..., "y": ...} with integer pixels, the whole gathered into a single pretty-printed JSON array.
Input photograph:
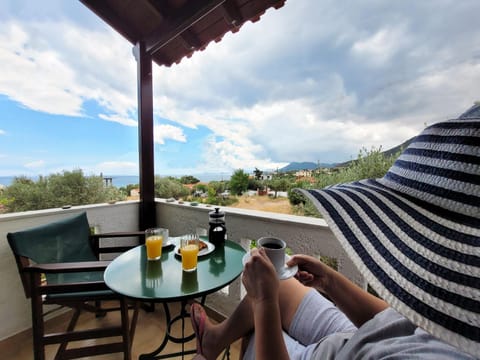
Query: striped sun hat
[{"x": 415, "y": 233}]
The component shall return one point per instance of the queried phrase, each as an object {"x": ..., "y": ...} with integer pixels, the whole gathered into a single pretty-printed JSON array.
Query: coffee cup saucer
[{"x": 287, "y": 271}]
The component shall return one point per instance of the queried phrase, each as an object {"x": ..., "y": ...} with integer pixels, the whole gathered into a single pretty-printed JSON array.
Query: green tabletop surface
[{"x": 132, "y": 275}]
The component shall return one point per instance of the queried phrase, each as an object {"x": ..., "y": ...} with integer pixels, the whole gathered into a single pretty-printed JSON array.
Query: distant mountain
[{"x": 295, "y": 166}]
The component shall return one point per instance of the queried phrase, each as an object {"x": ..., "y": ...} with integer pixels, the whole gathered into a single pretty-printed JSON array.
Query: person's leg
[
  {"x": 240, "y": 323},
  {"x": 314, "y": 318},
  {"x": 306, "y": 316},
  {"x": 216, "y": 337},
  {"x": 291, "y": 294},
  {"x": 296, "y": 350}
]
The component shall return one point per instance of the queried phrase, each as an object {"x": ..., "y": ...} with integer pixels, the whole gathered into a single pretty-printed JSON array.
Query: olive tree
[
  {"x": 369, "y": 164},
  {"x": 278, "y": 184},
  {"x": 56, "y": 190},
  {"x": 168, "y": 187},
  {"x": 239, "y": 182}
]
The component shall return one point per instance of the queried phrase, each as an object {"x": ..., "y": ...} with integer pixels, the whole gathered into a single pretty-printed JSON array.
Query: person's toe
[{"x": 198, "y": 317}]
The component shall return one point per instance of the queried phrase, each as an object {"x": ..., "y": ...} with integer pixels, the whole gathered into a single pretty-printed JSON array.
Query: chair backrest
[{"x": 61, "y": 241}]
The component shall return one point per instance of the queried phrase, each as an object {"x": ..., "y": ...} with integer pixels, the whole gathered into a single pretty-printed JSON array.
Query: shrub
[
  {"x": 57, "y": 190},
  {"x": 168, "y": 187},
  {"x": 369, "y": 164}
]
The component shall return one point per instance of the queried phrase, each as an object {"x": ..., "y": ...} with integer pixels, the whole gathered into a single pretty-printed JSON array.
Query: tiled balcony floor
[{"x": 148, "y": 335}]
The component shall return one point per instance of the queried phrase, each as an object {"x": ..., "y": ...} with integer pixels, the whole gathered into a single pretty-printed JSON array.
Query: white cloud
[
  {"x": 63, "y": 65},
  {"x": 46, "y": 82},
  {"x": 2, "y": 132},
  {"x": 379, "y": 48},
  {"x": 297, "y": 131},
  {"x": 118, "y": 119},
  {"x": 164, "y": 132},
  {"x": 231, "y": 155},
  {"x": 35, "y": 164},
  {"x": 430, "y": 97}
]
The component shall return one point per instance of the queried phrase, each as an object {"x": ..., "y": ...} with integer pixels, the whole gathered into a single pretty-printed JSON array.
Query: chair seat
[{"x": 74, "y": 277}]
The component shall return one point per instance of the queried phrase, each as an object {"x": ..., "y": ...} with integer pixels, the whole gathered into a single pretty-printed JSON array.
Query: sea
[{"x": 124, "y": 180}]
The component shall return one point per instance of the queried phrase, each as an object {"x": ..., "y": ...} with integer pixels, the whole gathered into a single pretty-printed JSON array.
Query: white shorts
[{"x": 316, "y": 317}]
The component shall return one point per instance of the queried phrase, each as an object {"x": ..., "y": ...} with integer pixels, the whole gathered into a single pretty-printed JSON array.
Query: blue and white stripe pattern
[{"x": 415, "y": 233}]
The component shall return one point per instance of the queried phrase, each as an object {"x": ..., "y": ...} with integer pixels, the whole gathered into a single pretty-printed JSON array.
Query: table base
[{"x": 156, "y": 354}]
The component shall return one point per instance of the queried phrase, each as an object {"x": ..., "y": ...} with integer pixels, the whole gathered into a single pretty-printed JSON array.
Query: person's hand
[
  {"x": 260, "y": 277},
  {"x": 312, "y": 272}
]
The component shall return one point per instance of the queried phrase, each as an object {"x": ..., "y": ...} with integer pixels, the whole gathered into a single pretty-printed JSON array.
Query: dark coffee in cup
[
  {"x": 275, "y": 250},
  {"x": 272, "y": 246}
]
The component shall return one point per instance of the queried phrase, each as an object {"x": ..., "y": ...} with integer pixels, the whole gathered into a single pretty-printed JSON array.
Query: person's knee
[{"x": 291, "y": 294}]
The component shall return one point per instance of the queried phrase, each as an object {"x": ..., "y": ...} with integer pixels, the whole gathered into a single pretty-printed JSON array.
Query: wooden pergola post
[{"x": 147, "y": 216}]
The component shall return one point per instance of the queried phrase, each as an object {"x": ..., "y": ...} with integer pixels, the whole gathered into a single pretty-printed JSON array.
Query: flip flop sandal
[{"x": 198, "y": 317}]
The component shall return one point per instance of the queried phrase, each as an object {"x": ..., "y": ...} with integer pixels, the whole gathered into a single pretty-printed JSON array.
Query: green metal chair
[{"x": 59, "y": 264}]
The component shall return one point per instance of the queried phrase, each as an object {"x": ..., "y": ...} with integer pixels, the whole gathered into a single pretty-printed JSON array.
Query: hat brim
[{"x": 425, "y": 266}]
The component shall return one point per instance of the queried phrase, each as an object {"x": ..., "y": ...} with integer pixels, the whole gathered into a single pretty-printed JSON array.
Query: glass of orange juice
[
  {"x": 154, "y": 240},
  {"x": 189, "y": 252}
]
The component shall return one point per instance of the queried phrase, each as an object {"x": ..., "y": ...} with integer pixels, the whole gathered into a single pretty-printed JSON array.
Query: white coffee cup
[{"x": 275, "y": 250}]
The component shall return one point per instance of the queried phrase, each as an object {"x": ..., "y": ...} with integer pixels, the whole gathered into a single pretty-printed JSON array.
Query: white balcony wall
[{"x": 303, "y": 235}]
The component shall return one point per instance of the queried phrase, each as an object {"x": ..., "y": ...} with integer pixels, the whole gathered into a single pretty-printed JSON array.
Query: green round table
[{"x": 164, "y": 281}]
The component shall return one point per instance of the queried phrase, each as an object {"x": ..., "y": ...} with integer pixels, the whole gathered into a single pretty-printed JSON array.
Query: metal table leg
[{"x": 169, "y": 337}]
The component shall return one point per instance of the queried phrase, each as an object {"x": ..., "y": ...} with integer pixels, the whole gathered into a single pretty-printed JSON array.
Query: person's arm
[
  {"x": 359, "y": 305},
  {"x": 269, "y": 342},
  {"x": 261, "y": 282}
]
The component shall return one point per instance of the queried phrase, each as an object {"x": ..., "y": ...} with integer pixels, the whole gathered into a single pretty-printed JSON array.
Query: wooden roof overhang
[{"x": 164, "y": 32}]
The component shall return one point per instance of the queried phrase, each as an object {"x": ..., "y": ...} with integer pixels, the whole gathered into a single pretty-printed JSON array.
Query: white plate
[
  {"x": 287, "y": 272},
  {"x": 168, "y": 243},
  {"x": 205, "y": 251}
]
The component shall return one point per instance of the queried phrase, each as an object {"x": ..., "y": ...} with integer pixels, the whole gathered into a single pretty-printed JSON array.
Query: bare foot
[{"x": 208, "y": 334}]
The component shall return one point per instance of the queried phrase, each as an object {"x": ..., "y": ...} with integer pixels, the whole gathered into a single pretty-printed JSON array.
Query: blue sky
[{"x": 312, "y": 81}]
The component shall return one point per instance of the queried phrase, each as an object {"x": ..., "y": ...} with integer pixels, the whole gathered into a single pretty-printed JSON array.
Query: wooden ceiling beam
[
  {"x": 171, "y": 28},
  {"x": 163, "y": 7},
  {"x": 190, "y": 40},
  {"x": 103, "y": 10},
  {"x": 232, "y": 14}
]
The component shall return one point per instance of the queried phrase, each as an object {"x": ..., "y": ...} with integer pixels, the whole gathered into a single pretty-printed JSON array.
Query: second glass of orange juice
[
  {"x": 154, "y": 239},
  {"x": 189, "y": 252}
]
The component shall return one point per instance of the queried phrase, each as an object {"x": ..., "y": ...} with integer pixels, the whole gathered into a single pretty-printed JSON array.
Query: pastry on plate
[{"x": 201, "y": 245}]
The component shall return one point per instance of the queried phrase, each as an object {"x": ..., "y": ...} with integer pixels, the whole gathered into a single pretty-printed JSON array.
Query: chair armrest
[
  {"x": 35, "y": 271},
  {"x": 95, "y": 242},
  {"x": 118, "y": 234},
  {"x": 68, "y": 267}
]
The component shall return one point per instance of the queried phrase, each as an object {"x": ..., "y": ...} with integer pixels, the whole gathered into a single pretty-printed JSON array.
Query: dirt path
[{"x": 264, "y": 203}]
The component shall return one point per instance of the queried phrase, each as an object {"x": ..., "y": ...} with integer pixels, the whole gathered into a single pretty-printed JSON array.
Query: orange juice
[
  {"x": 154, "y": 247},
  {"x": 189, "y": 257}
]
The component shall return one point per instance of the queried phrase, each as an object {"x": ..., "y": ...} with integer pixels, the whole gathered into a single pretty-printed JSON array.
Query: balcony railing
[{"x": 303, "y": 235}]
